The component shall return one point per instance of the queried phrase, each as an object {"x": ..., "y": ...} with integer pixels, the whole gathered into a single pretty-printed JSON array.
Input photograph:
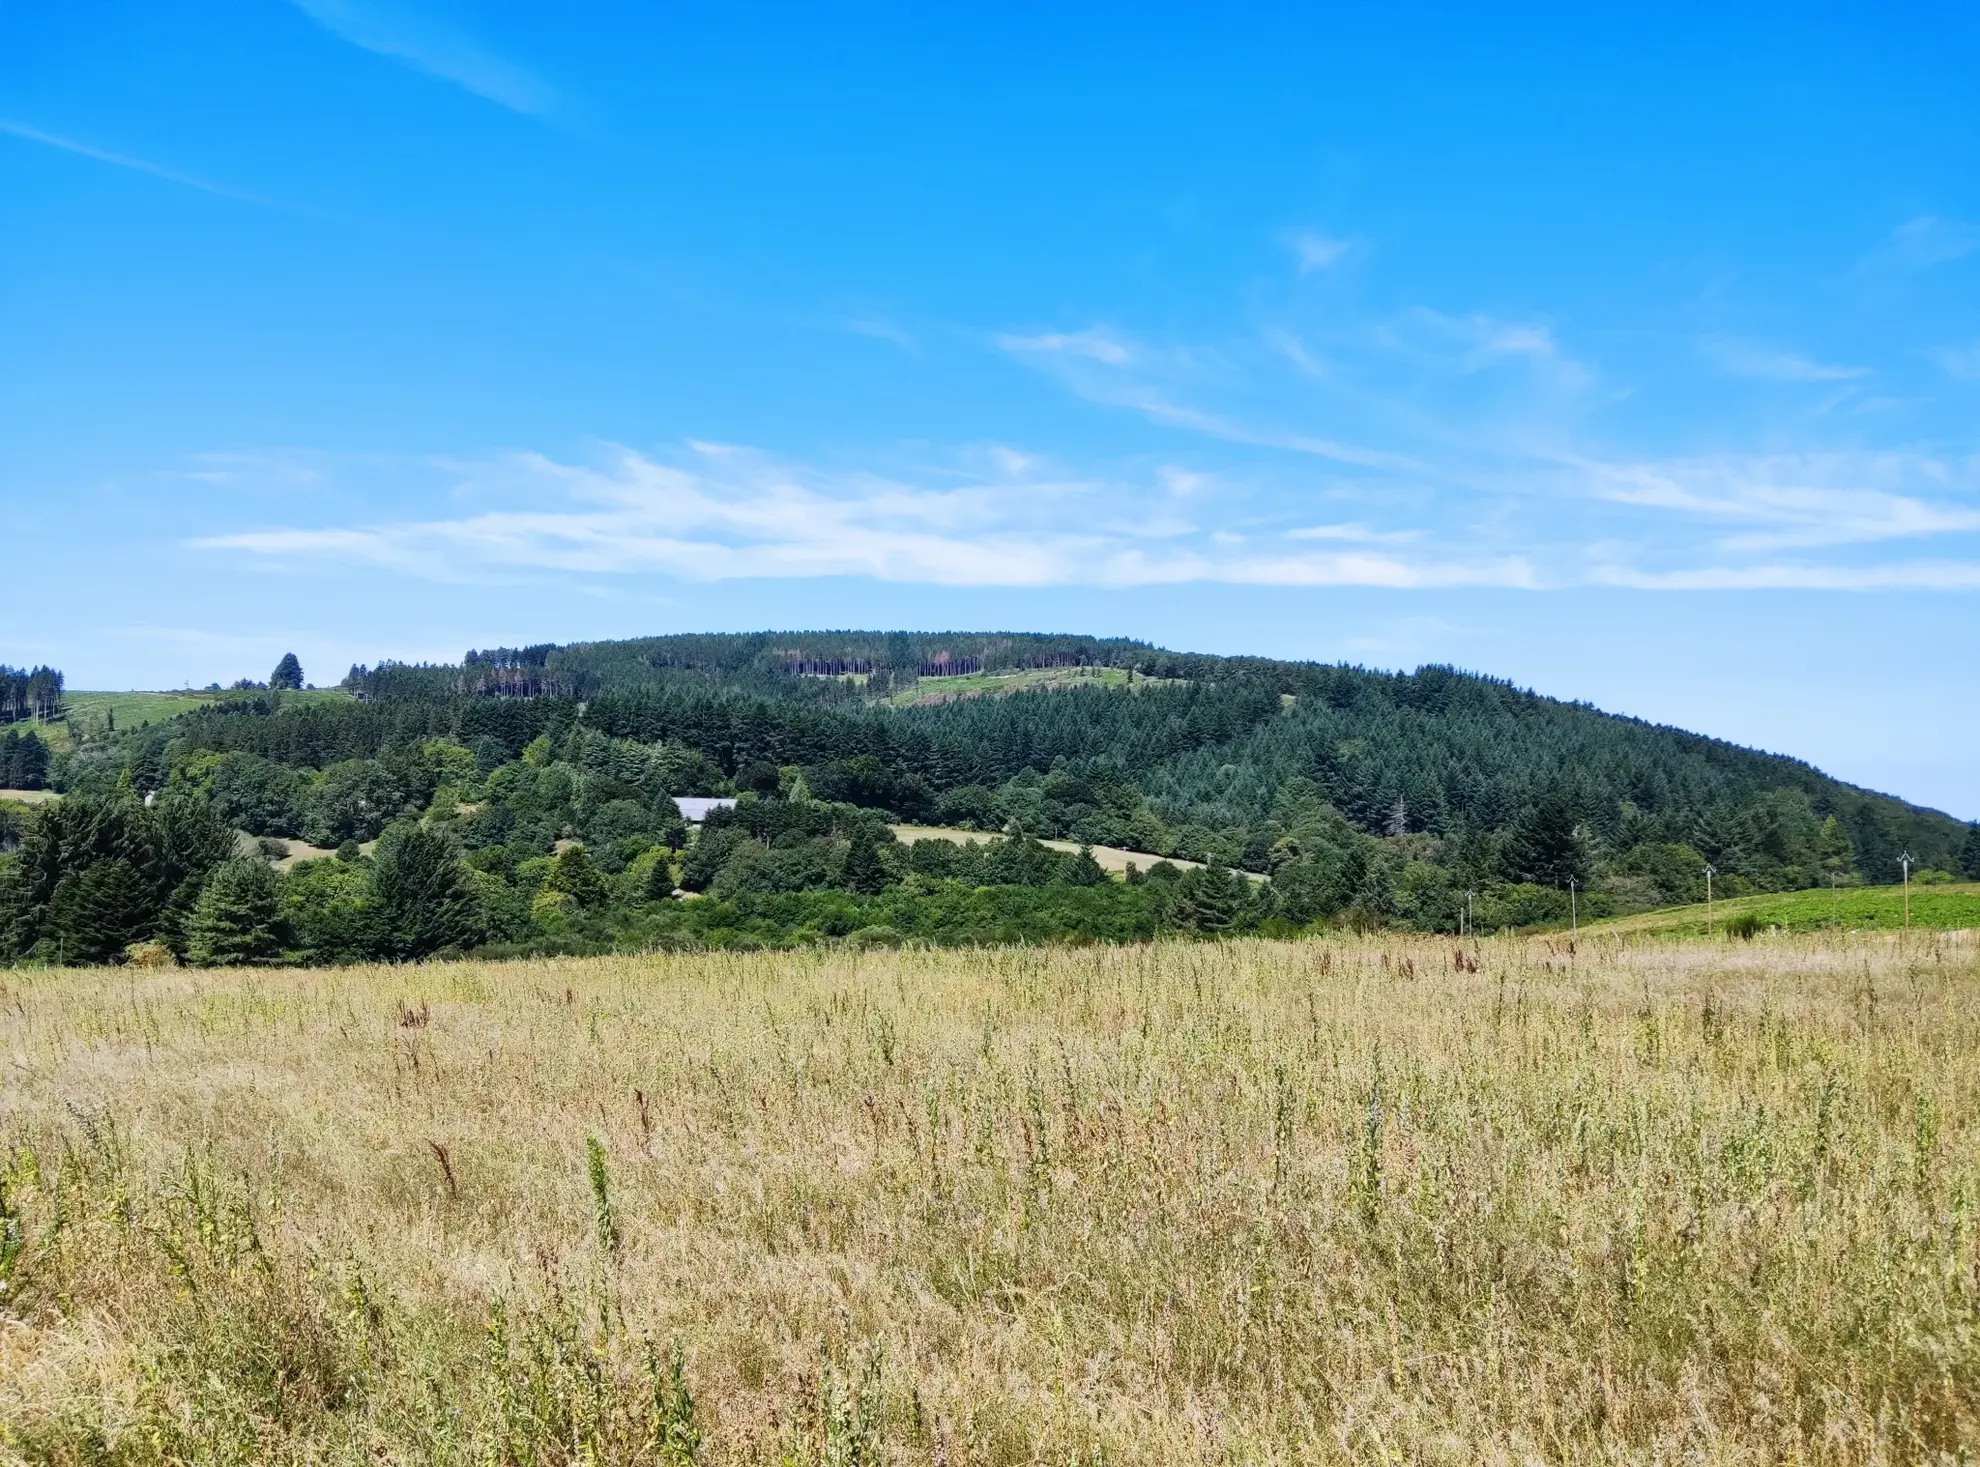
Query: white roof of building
[{"x": 695, "y": 808}]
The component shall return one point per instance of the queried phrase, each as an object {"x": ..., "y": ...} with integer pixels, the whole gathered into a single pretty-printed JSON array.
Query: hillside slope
[
  {"x": 1215, "y": 745},
  {"x": 1431, "y": 801}
]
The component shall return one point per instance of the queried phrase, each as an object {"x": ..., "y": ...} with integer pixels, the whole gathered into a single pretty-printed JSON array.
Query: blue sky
[{"x": 1629, "y": 352}]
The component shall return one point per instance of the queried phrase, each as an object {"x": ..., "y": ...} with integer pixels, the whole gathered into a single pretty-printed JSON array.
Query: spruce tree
[
  {"x": 288, "y": 674},
  {"x": 862, "y": 870},
  {"x": 1969, "y": 854},
  {"x": 1208, "y": 900},
  {"x": 235, "y": 919},
  {"x": 1835, "y": 854},
  {"x": 421, "y": 897},
  {"x": 1547, "y": 846},
  {"x": 98, "y": 912}
]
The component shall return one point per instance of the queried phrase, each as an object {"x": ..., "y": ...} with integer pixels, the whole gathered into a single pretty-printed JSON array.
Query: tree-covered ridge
[
  {"x": 815, "y": 666},
  {"x": 1453, "y": 751},
  {"x": 497, "y": 814}
]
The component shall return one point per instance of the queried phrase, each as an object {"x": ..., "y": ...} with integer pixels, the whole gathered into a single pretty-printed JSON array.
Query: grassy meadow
[
  {"x": 1952, "y": 905},
  {"x": 93, "y": 714},
  {"x": 1020, "y": 680},
  {"x": 1368, "y": 1200}
]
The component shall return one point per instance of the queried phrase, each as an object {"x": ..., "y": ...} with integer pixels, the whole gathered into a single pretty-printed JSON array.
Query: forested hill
[
  {"x": 1214, "y": 744},
  {"x": 1434, "y": 800}
]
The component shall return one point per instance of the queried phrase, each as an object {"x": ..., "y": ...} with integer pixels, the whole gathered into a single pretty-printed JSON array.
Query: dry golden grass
[{"x": 1259, "y": 1202}]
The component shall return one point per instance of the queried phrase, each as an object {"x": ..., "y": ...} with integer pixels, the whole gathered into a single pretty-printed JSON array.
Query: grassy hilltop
[{"x": 1350, "y": 1200}]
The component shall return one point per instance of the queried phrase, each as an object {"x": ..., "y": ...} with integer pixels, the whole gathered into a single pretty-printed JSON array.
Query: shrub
[{"x": 572, "y": 874}]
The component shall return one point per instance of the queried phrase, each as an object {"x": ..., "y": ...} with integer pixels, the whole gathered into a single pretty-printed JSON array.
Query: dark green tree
[
  {"x": 708, "y": 854},
  {"x": 257, "y": 794},
  {"x": 97, "y": 912},
  {"x": 1969, "y": 853},
  {"x": 422, "y": 898},
  {"x": 354, "y": 799},
  {"x": 1547, "y": 846},
  {"x": 862, "y": 870},
  {"x": 53, "y": 905},
  {"x": 1083, "y": 870},
  {"x": 1208, "y": 900},
  {"x": 759, "y": 778},
  {"x": 237, "y": 916},
  {"x": 191, "y": 840},
  {"x": 23, "y": 761},
  {"x": 288, "y": 674},
  {"x": 1835, "y": 854}
]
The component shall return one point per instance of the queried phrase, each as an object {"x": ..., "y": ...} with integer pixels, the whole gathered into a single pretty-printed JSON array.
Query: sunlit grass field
[
  {"x": 95, "y": 713},
  {"x": 1344, "y": 1200},
  {"x": 1864, "y": 909},
  {"x": 1022, "y": 680}
]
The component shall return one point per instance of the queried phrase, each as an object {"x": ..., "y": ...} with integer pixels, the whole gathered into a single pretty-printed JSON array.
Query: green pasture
[
  {"x": 1021, "y": 680},
  {"x": 1861, "y": 909},
  {"x": 92, "y": 713}
]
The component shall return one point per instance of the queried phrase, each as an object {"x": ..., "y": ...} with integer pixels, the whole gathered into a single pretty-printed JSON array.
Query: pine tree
[
  {"x": 1835, "y": 854},
  {"x": 1547, "y": 845},
  {"x": 1208, "y": 899},
  {"x": 98, "y": 912},
  {"x": 1083, "y": 870},
  {"x": 421, "y": 898},
  {"x": 1969, "y": 854},
  {"x": 288, "y": 674},
  {"x": 862, "y": 871},
  {"x": 23, "y": 761},
  {"x": 235, "y": 920}
]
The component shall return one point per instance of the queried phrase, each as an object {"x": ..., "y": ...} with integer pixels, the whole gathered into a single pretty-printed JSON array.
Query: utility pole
[
  {"x": 1709, "y": 874},
  {"x": 1905, "y": 861},
  {"x": 1574, "y": 914}
]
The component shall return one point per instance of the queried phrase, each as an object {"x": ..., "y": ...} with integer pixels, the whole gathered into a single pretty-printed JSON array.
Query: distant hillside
[
  {"x": 1432, "y": 801},
  {"x": 1228, "y": 740}
]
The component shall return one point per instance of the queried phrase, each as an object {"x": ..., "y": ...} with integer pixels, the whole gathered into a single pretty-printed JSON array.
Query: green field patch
[
  {"x": 1022, "y": 680},
  {"x": 97, "y": 713},
  {"x": 1114, "y": 860},
  {"x": 1859, "y": 909}
]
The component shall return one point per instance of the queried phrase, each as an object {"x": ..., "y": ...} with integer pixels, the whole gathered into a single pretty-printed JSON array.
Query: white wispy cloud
[
  {"x": 403, "y": 33},
  {"x": 1313, "y": 250},
  {"x": 1960, "y": 361},
  {"x": 722, "y": 513},
  {"x": 1921, "y": 243},
  {"x": 1476, "y": 342},
  {"x": 1807, "y": 500},
  {"x": 1003, "y": 518},
  {"x": 1354, "y": 533},
  {"x": 1104, "y": 366},
  {"x": 1096, "y": 344},
  {"x": 277, "y": 471},
  {"x": 1742, "y": 358},
  {"x": 139, "y": 165},
  {"x": 879, "y": 328},
  {"x": 1938, "y": 575}
]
